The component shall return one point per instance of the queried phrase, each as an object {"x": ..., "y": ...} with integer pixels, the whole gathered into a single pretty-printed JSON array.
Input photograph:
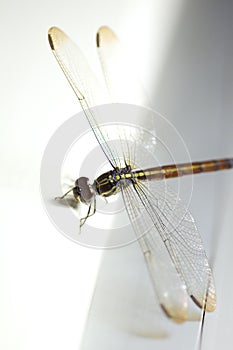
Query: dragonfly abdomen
[{"x": 176, "y": 170}]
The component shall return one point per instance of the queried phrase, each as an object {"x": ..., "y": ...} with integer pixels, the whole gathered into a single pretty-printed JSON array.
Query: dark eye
[{"x": 76, "y": 191}]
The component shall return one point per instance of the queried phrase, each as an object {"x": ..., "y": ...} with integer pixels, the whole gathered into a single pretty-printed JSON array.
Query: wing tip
[
  {"x": 56, "y": 37},
  {"x": 51, "y": 34},
  {"x": 50, "y": 41},
  {"x": 98, "y": 39},
  {"x": 165, "y": 311},
  {"x": 208, "y": 305},
  {"x": 170, "y": 316},
  {"x": 105, "y": 29},
  {"x": 105, "y": 33}
]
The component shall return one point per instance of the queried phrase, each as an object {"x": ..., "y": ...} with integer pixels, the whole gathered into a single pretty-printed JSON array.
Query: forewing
[
  {"x": 172, "y": 248},
  {"x": 83, "y": 82},
  {"x": 76, "y": 68},
  {"x": 119, "y": 70}
]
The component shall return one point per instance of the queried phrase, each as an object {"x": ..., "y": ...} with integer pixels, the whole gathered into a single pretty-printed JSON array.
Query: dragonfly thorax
[{"x": 107, "y": 184}]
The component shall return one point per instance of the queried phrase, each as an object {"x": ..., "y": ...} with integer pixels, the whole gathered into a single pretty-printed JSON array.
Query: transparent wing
[
  {"x": 82, "y": 81},
  {"x": 172, "y": 248},
  {"x": 119, "y": 73},
  {"x": 76, "y": 68}
]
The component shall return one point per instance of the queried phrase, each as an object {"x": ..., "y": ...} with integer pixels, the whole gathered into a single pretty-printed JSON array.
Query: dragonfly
[{"x": 172, "y": 247}]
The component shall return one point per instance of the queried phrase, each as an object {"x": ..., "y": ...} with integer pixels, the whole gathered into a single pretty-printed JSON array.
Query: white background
[{"x": 184, "y": 54}]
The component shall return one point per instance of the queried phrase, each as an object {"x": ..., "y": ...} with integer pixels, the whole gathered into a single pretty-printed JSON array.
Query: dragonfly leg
[
  {"x": 83, "y": 220},
  {"x": 64, "y": 195}
]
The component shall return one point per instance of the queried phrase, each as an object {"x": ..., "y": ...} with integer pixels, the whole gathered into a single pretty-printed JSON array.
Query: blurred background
[{"x": 53, "y": 292}]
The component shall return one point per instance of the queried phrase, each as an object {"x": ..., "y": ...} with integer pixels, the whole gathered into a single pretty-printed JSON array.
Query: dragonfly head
[{"x": 82, "y": 190}]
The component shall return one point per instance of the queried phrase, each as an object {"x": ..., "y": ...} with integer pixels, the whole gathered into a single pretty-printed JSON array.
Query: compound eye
[{"x": 76, "y": 192}]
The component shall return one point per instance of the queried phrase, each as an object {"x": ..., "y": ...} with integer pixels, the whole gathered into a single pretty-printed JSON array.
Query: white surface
[{"x": 184, "y": 52}]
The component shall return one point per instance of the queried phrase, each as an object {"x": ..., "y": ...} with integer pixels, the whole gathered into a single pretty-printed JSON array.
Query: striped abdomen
[{"x": 175, "y": 170}]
